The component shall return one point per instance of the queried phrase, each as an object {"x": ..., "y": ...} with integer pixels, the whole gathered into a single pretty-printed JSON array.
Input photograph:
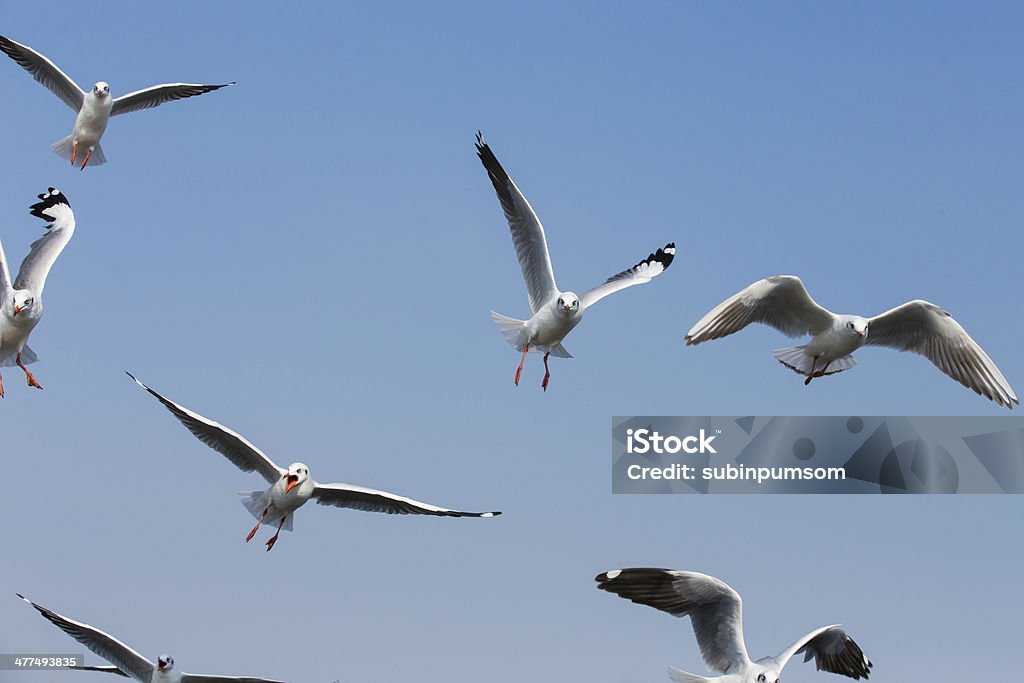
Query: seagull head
[
  {"x": 101, "y": 89},
  {"x": 23, "y": 301},
  {"x": 767, "y": 677},
  {"x": 164, "y": 663},
  {"x": 568, "y": 304},
  {"x": 297, "y": 475},
  {"x": 857, "y": 326}
]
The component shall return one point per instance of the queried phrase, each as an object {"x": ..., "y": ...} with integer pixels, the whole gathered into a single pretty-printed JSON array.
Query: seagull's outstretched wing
[
  {"x": 204, "y": 678},
  {"x": 104, "y": 669},
  {"x": 655, "y": 264},
  {"x": 228, "y": 443},
  {"x": 44, "y": 71},
  {"x": 926, "y": 329},
  {"x": 54, "y": 208},
  {"x": 714, "y": 608},
  {"x": 6, "y": 286},
  {"x": 371, "y": 500},
  {"x": 111, "y": 649},
  {"x": 781, "y": 301},
  {"x": 156, "y": 95},
  {"x": 833, "y": 650},
  {"x": 527, "y": 232}
]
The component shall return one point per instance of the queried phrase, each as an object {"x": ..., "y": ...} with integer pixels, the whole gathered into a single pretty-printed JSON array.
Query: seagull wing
[
  {"x": 655, "y": 264},
  {"x": 926, "y": 329},
  {"x": 44, "y": 71},
  {"x": 228, "y": 443},
  {"x": 714, "y": 608},
  {"x": 833, "y": 650},
  {"x": 54, "y": 208},
  {"x": 371, "y": 500},
  {"x": 111, "y": 649},
  {"x": 5, "y": 277},
  {"x": 781, "y": 301},
  {"x": 156, "y": 95},
  {"x": 204, "y": 678},
  {"x": 104, "y": 669},
  {"x": 527, "y": 232}
]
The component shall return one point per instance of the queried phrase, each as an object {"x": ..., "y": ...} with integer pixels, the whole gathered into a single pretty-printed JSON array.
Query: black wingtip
[{"x": 51, "y": 198}]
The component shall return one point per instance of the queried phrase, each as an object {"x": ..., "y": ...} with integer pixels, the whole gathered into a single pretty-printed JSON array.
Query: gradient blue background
[{"x": 310, "y": 256}]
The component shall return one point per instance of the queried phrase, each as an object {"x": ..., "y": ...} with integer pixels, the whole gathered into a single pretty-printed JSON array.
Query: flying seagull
[
  {"x": 126, "y": 661},
  {"x": 716, "y": 613},
  {"x": 93, "y": 108},
  {"x": 919, "y": 326},
  {"x": 291, "y": 488},
  {"x": 554, "y": 313},
  {"x": 21, "y": 301}
]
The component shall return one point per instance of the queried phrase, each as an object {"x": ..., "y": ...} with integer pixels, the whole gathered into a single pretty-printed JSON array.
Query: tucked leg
[
  {"x": 28, "y": 375},
  {"x": 547, "y": 373},
  {"x": 519, "y": 370},
  {"x": 255, "y": 528},
  {"x": 273, "y": 539}
]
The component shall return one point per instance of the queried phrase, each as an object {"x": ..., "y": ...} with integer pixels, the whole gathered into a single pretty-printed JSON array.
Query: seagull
[
  {"x": 21, "y": 301},
  {"x": 919, "y": 326},
  {"x": 554, "y": 313},
  {"x": 716, "y": 613},
  {"x": 93, "y": 108},
  {"x": 291, "y": 488},
  {"x": 127, "y": 662}
]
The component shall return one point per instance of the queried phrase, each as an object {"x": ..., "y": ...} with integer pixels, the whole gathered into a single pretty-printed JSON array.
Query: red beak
[
  {"x": 17, "y": 310},
  {"x": 292, "y": 481}
]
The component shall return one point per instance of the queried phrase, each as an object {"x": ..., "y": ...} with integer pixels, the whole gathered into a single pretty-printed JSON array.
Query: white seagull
[
  {"x": 93, "y": 108},
  {"x": 918, "y": 326},
  {"x": 21, "y": 301},
  {"x": 554, "y": 313},
  {"x": 291, "y": 488},
  {"x": 126, "y": 661},
  {"x": 716, "y": 613}
]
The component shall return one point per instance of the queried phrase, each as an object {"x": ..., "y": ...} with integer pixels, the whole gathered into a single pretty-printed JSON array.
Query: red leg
[
  {"x": 74, "y": 151},
  {"x": 1, "y": 386},
  {"x": 88, "y": 153},
  {"x": 519, "y": 370},
  {"x": 31, "y": 380},
  {"x": 253, "y": 532},
  {"x": 273, "y": 539},
  {"x": 547, "y": 373},
  {"x": 811, "y": 374}
]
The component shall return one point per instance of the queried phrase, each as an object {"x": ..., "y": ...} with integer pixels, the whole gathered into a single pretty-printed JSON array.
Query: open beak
[
  {"x": 160, "y": 664},
  {"x": 292, "y": 481}
]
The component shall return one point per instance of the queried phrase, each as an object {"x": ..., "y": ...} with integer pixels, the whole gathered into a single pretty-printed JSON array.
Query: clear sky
[{"x": 310, "y": 256}]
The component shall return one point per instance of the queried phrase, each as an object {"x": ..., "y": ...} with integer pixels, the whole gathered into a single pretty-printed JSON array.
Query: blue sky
[{"x": 310, "y": 257}]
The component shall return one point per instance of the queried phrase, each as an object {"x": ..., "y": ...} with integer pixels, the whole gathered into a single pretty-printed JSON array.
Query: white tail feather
[
  {"x": 680, "y": 676},
  {"x": 65, "y": 146},
  {"x": 796, "y": 360},
  {"x": 256, "y": 503},
  {"x": 511, "y": 328},
  {"x": 28, "y": 356}
]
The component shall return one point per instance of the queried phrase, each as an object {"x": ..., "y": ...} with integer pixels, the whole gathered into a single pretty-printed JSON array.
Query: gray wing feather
[
  {"x": 104, "y": 669},
  {"x": 714, "y": 608},
  {"x": 832, "y": 649},
  {"x": 527, "y": 232},
  {"x": 371, "y": 500},
  {"x": 781, "y": 302},
  {"x": 156, "y": 95},
  {"x": 228, "y": 443},
  {"x": 928, "y": 330},
  {"x": 54, "y": 208},
  {"x": 114, "y": 651},
  {"x": 44, "y": 71}
]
